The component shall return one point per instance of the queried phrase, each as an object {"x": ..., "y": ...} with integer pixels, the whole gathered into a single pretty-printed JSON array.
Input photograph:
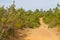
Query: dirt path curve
[{"x": 42, "y": 33}]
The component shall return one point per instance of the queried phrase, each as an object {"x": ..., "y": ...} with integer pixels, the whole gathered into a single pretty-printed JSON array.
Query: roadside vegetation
[{"x": 12, "y": 19}]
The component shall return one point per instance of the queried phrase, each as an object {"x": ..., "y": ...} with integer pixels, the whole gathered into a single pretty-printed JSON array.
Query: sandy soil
[{"x": 42, "y": 33}]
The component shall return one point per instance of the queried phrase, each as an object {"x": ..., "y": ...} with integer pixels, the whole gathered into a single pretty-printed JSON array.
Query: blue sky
[{"x": 31, "y": 4}]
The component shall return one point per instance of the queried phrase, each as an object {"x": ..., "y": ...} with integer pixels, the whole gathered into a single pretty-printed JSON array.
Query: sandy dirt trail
[{"x": 42, "y": 33}]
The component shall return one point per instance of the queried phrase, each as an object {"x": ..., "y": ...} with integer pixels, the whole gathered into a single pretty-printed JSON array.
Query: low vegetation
[{"x": 12, "y": 19}]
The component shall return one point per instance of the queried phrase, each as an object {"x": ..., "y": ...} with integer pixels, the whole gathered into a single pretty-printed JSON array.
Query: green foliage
[
  {"x": 52, "y": 17},
  {"x": 11, "y": 18}
]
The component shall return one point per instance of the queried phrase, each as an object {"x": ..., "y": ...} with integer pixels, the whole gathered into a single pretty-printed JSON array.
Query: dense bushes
[
  {"x": 11, "y": 19},
  {"x": 52, "y": 17}
]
